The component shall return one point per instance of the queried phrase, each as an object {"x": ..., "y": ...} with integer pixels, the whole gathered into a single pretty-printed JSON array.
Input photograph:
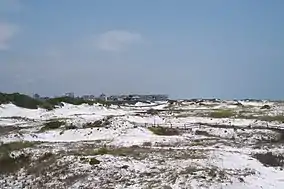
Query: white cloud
[
  {"x": 117, "y": 40},
  {"x": 7, "y": 32}
]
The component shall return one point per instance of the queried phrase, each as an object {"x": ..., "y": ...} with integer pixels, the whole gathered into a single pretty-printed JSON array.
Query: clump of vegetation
[
  {"x": 102, "y": 151},
  {"x": 94, "y": 161},
  {"x": 222, "y": 114},
  {"x": 70, "y": 100},
  {"x": 265, "y": 107},
  {"x": 269, "y": 159},
  {"x": 10, "y": 164},
  {"x": 53, "y": 124},
  {"x": 71, "y": 126},
  {"x": 22, "y": 100},
  {"x": 152, "y": 112},
  {"x": 164, "y": 131},
  {"x": 278, "y": 118},
  {"x": 26, "y": 101},
  {"x": 13, "y": 146},
  {"x": 99, "y": 123},
  {"x": 205, "y": 133}
]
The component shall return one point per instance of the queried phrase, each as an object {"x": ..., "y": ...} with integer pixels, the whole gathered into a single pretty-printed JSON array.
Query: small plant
[
  {"x": 99, "y": 123},
  {"x": 13, "y": 146},
  {"x": 278, "y": 118},
  {"x": 10, "y": 164},
  {"x": 147, "y": 144},
  {"x": 152, "y": 112},
  {"x": 222, "y": 114},
  {"x": 102, "y": 151},
  {"x": 265, "y": 107},
  {"x": 269, "y": 159},
  {"x": 53, "y": 124},
  {"x": 205, "y": 133},
  {"x": 94, "y": 161},
  {"x": 71, "y": 126},
  {"x": 164, "y": 131}
]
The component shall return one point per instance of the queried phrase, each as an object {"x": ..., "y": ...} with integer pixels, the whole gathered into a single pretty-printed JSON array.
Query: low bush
[
  {"x": 20, "y": 100},
  {"x": 222, "y": 114},
  {"x": 164, "y": 131},
  {"x": 10, "y": 164},
  {"x": 102, "y": 151},
  {"x": 265, "y": 107},
  {"x": 152, "y": 112},
  {"x": 94, "y": 161},
  {"x": 53, "y": 124},
  {"x": 269, "y": 159},
  {"x": 99, "y": 123},
  {"x": 278, "y": 118}
]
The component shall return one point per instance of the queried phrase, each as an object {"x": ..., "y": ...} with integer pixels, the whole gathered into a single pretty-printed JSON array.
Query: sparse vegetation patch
[
  {"x": 278, "y": 118},
  {"x": 269, "y": 159},
  {"x": 164, "y": 131},
  {"x": 52, "y": 124},
  {"x": 222, "y": 114}
]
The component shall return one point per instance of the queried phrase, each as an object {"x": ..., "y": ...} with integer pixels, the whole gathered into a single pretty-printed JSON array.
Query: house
[
  {"x": 103, "y": 97},
  {"x": 89, "y": 97},
  {"x": 71, "y": 95}
]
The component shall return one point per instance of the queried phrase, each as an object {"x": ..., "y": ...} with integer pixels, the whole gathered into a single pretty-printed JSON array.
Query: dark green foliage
[
  {"x": 153, "y": 112},
  {"x": 20, "y": 100},
  {"x": 26, "y": 101},
  {"x": 222, "y": 114},
  {"x": 75, "y": 101},
  {"x": 94, "y": 161},
  {"x": 278, "y": 118},
  {"x": 269, "y": 159},
  {"x": 102, "y": 151},
  {"x": 96, "y": 124},
  {"x": 10, "y": 164},
  {"x": 265, "y": 107},
  {"x": 164, "y": 131},
  {"x": 12, "y": 146},
  {"x": 71, "y": 126},
  {"x": 53, "y": 124}
]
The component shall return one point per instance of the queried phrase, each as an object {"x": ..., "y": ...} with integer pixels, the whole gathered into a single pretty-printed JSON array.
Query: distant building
[
  {"x": 71, "y": 95},
  {"x": 103, "y": 97},
  {"x": 136, "y": 97},
  {"x": 36, "y": 96},
  {"x": 89, "y": 97}
]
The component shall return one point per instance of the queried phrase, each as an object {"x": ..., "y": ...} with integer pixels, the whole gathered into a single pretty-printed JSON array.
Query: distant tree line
[{"x": 26, "y": 101}]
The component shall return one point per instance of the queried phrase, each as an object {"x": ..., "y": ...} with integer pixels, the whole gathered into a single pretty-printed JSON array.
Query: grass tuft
[
  {"x": 270, "y": 160},
  {"x": 222, "y": 114},
  {"x": 53, "y": 124},
  {"x": 94, "y": 161},
  {"x": 164, "y": 131}
]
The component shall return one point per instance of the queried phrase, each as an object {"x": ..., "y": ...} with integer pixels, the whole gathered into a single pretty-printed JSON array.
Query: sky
[{"x": 186, "y": 48}]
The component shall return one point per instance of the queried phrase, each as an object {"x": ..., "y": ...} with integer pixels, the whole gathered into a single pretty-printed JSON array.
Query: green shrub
[
  {"x": 94, "y": 161},
  {"x": 102, "y": 151},
  {"x": 164, "y": 131},
  {"x": 10, "y": 164},
  {"x": 96, "y": 124},
  {"x": 269, "y": 159},
  {"x": 153, "y": 112},
  {"x": 278, "y": 118},
  {"x": 53, "y": 124},
  {"x": 13, "y": 146},
  {"x": 222, "y": 114}
]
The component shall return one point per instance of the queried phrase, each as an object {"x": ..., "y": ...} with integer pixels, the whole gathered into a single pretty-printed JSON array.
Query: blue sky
[{"x": 186, "y": 48}]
